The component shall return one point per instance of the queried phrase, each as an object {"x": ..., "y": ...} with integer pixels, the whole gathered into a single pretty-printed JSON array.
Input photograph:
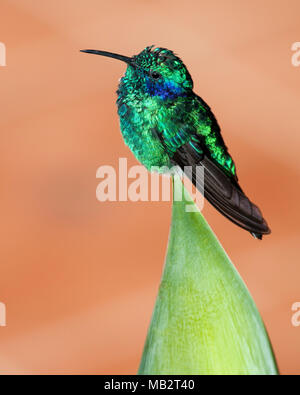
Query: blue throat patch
[{"x": 164, "y": 89}]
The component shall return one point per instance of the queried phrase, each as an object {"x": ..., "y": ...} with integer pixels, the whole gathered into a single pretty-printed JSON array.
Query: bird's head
[{"x": 154, "y": 72}]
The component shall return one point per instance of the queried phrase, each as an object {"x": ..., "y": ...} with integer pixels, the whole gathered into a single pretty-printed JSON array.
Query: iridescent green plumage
[
  {"x": 176, "y": 118},
  {"x": 165, "y": 123}
]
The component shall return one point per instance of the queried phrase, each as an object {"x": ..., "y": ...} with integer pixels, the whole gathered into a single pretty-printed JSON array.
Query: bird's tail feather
[{"x": 224, "y": 193}]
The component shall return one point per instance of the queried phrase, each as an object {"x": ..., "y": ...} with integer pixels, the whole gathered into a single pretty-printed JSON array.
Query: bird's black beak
[{"x": 125, "y": 59}]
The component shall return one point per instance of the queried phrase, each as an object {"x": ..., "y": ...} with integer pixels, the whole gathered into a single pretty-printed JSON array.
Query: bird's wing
[
  {"x": 188, "y": 150},
  {"x": 221, "y": 190},
  {"x": 214, "y": 123}
]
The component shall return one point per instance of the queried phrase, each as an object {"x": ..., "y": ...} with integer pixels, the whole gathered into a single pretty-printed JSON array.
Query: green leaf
[{"x": 205, "y": 321}]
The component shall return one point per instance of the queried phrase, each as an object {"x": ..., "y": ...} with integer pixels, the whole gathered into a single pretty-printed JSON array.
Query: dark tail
[{"x": 223, "y": 192}]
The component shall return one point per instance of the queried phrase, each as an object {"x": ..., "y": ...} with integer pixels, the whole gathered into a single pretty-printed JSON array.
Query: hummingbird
[{"x": 165, "y": 124}]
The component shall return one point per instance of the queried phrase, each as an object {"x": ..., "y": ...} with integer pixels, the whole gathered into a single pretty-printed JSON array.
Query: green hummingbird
[{"x": 166, "y": 124}]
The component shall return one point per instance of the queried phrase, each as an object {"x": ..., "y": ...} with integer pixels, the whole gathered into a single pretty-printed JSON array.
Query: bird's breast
[{"x": 139, "y": 121}]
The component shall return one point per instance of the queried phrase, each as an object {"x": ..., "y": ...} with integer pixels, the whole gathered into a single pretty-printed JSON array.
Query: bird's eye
[{"x": 155, "y": 75}]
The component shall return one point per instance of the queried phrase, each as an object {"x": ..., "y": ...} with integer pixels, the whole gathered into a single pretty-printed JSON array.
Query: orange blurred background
[{"x": 79, "y": 278}]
